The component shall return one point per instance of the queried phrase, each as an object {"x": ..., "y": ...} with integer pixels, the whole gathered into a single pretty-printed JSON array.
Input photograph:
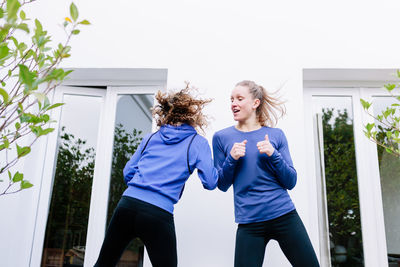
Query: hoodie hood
[{"x": 174, "y": 134}]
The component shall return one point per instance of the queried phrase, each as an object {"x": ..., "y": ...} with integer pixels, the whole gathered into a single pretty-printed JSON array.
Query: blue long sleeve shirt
[
  {"x": 158, "y": 175},
  {"x": 260, "y": 182}
]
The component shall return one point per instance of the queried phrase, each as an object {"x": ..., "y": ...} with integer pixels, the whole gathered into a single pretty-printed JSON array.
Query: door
[
  {"x": 346, "y": 173},
  {"x": 98, "y": 130}
]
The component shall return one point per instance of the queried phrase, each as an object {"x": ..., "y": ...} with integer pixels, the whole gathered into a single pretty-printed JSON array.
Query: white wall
[{"x": 215, "y": 44}]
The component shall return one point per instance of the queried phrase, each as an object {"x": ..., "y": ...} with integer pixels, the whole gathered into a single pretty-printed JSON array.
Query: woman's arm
[
  {"x": 283, "y": 165},
  {"x": 225, "y": 165},
  {"x": 131, "y": 166},
  {"x": 205, "y": 167}
]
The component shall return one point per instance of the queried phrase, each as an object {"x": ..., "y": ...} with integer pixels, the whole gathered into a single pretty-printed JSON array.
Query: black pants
[
  {"x": 288, "y": 230},
  {"x": 135, "y": 218}
]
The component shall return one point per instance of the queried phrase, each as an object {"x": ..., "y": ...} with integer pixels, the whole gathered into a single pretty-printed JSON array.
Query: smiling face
[{"x": 243, "y": 105}]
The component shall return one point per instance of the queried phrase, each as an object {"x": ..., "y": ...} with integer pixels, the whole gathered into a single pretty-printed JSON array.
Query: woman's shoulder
[
  {"x": 224, "y": 135},
  {"x": 225, "y": 131},
  {"x": 273, "y": 129}
]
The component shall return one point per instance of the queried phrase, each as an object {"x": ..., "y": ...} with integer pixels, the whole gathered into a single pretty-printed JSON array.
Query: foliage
[
  {"x": 385, "y": 130},
  {"x": 69, "y": 210},
  {"x": 29, "y": 71},
  {"x": 70, "y": 203},
  {"x": 341, "y": 186},
  {"x": 125, "y": 145}
]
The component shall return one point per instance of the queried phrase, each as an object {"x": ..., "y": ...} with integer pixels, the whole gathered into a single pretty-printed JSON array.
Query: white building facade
[{"x": 322, "y": 56}]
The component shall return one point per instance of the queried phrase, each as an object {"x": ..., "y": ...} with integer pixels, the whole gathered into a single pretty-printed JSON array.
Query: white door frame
[
  {"x": 369, "y": 190},
  {"x": 50, "y": 160}
]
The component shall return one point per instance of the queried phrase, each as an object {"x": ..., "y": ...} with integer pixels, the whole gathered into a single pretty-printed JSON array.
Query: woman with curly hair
[
  {"x": 254, "y": 157},
  {"x": 156, "y": 175}
]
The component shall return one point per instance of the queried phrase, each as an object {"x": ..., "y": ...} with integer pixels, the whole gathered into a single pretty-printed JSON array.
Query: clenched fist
[
  {"x": 265, "y": 146},
  {"x": 238, "y": 150}
]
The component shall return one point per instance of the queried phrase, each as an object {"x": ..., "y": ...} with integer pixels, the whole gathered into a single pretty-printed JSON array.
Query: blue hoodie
[{"x": 158, "y": 175}]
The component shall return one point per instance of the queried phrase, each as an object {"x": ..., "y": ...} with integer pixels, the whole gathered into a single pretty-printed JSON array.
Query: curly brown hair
[{"x": 175, "y": 108}]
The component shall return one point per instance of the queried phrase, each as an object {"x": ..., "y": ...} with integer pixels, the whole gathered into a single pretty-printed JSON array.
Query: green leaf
[
  {"x": 24, "y": 27},
  {"x": 369, "y": 126},
  {"x": 4, "y": 94},
  {"x": 45, "y": 117},
  {"x": 4, "y": 51},
  {"x": 12, "y": 9},
  {"x": 46, "y": 131},
  {"x": 25, "y": 184},
  {"x": 23, "y": 151},
  {"x": 75, "y": 32},
  {"x": 55, "y": 105},
  {"x": 6, "y": 143},
  {"x": 9, "y": 175},
  {"x": 84, "y": 22},
  {"x": 17, "y": 125},
  {"x": 390, "y": 86},
  {"x": 18, "y": 177},
  {"x": 74, "y": 11},
  {"x": 26, "y": 77},
  {"x": 22, "y": 15},
  {"x": 39, "y": 27},
  {"x": 1, "y": 13},
  {"x": 386, "y": 113},
  {"x": 365, "y": 104},
  {"x": 398, "y": 73},
  {"x": 25, "y": 118}
]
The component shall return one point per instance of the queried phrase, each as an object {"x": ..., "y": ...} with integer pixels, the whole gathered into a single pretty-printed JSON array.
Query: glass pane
[
  {"x": 133, "y": 120},
  {"x": 389, "y": 169},
  {"x": 67, "y": 222},
  {"x": 343, "y": 209}
]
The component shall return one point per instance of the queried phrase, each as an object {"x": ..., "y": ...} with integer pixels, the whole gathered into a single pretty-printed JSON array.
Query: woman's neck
[{"x": 248, "y": 126}]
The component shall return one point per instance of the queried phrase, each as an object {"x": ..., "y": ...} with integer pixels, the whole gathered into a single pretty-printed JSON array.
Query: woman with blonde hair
[
  {"x": 254, "y": 157},
  {"x": 156, "y": 175}
]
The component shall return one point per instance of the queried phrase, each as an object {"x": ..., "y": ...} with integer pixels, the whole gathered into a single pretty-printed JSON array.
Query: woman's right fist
[{"x": 238, "y": 150}]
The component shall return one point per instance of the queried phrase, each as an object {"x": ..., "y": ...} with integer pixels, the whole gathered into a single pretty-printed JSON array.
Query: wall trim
[
  {"x": 116, "y": 77},
  {"x": 317, "y": 78}
]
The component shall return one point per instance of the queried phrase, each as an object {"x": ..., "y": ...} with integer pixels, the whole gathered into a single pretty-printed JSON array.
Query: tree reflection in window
[
  {"x": 342, "y": 189},
  {"x": 125, "y": 145},
  {"x": 67, "y": 223}
]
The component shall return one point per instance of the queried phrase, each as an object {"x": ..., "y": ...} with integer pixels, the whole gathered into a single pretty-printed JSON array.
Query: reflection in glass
[
  {"x": 389, "y": 169},
  {"x": 133, "y": 120},
  {"x": 343, "y": 207},
  {"x": 67, "y": 222}
]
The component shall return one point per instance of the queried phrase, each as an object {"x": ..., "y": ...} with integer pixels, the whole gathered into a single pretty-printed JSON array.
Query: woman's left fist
[{"x": 265, "y": 146}]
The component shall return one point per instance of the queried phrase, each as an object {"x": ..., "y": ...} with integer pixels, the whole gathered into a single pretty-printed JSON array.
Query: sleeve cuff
[
  {"x": 231, "y": 160},
  {"x": 274, "y": 155}
]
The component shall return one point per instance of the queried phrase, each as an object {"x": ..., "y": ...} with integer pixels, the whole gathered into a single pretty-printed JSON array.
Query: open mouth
[{"x": 235, "y": 111}]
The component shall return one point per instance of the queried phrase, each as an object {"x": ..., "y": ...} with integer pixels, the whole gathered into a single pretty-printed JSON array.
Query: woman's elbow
[
  {"x": 223, "y": 187},
  {"x": 292, "y": 181}
]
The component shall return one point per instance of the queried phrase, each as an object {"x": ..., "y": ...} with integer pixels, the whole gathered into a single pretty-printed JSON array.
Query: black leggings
[
  {"x": 288, "y": 230},
  {"x": 135, "y": 218}
]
